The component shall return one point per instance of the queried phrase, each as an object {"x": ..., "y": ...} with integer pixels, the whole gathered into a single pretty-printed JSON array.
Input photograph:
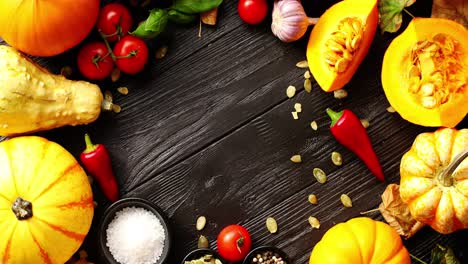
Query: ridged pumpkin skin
[
  {"x": 367, "y": 11},
  {"x": 45, "y": 174},
  {"x": 395, "y": 74},
  {"x": 360, "y": 241},
  {"x": 444, "y": 208},
  {"x": 46, "y": 28}
]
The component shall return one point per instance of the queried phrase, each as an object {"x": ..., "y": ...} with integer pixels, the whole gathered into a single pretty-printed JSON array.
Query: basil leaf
[
  {"x": 390, "y": 14},
  {"x": 154, "y": 25},
  {"x": 180, "y": 18},
  {"x": 443, "y": 255},
  {"x": 195, "y": 6}
]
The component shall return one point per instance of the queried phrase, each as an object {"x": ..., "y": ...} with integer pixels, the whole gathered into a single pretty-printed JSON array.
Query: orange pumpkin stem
[
  {"x": 22, "y": 209},
  {"x": 445, "y": 177}
]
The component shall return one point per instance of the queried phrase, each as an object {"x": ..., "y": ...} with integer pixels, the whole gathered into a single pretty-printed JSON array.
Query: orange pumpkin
[
  {"x": 360, "y": 241},
  {"x": 340, "y": 41},
  {"x": 424, "y": 72},
  {"x": 434, "y": 179},
  {"x": 46, "y": 203},
  {"x": 46, "y": 28}
]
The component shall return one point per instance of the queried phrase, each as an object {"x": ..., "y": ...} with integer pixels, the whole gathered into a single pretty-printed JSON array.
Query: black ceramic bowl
[
  {"x": 198, "y": 253},
  {"x": 109, "y": 215},
  {"x": 252, "y": 253}
]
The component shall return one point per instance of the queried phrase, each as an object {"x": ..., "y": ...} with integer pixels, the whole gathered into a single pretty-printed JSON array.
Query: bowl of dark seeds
[{"x": 266, "y": 255}]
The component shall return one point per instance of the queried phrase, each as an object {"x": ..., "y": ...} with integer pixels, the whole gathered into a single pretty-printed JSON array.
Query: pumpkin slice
[
  {"x": 340, "y": 41},
  {"x": 425, "y": 72}
]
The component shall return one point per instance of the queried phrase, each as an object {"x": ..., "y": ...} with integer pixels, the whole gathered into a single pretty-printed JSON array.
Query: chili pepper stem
[
  {"x": 334, "y": 116},
  {"x": 90, "y": 147}
]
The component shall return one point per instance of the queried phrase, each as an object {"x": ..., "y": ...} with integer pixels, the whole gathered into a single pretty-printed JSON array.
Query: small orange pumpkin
[
  {"x": 360, "y": 241},
  {"x": 340, "y": 41},
  {"x": 434, "y": 179},
  {"x": 46, "y": 202}
]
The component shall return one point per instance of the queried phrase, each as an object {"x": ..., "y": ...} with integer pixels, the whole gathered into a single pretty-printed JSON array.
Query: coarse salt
[{"x": 135, "y": 236}]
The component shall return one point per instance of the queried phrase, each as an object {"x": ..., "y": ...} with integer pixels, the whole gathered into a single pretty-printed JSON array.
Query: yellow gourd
[{"x": 32, "y": 99}]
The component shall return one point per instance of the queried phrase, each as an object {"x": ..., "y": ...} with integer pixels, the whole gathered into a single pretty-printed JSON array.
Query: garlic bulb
[{"x": 290, "y": 22}]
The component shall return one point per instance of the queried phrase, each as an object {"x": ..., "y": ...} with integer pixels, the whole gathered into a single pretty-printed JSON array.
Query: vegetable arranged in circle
[
  {"x": 252, "y": 11},
  {"x": 114, "y": 21},
  {"x": 94, "y": 61},
  {"x": 340, "y": 41},
  {"x": 234, "y": 243},
  {"x": 424, "y": 72},
  {"x": 131, "y": 53},
  {"x": 46, "y": 202}
]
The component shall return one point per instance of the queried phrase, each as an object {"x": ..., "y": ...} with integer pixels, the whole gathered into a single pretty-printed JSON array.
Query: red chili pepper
[
  {"x": 349, "y": 132},
  {"x": 97, "y": 161}
]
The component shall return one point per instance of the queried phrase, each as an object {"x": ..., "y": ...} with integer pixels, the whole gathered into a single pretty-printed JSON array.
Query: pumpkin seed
[
  {"x": 341, "y": 65},
  {"x": 314, "y": 125},
  {"x": 314, "y": 222},
  {"x": 291, "y": 91},
  {"x": 161, "y": 52},
  {"x": 115, "y": 75},
  {"x": 336, "y": 158},
  {"x": 414, "y": 72},
  {"x": 296, "y": 159},
  {"x": 312, "y": 199},
  {"x": 123, "y": 90},
  {"x": 307, "y": 74},
  {"x": 295, "y": 116},
  {"x": 429, "y": 102},
  {"x": 356, "y": 42},
  {"x": 335, "y": 47},
  {"x": 346, "y": 201},
  {"x": 340, "y": 94},
  {"x": 203, "y": 242},
  {"x": 201, "y": 222},
  {"x": 271, "y": 225},
  {"x": 427, "y": 89},
  {"x": 365, "y": 123},
  {"x": 302, "y": 64},
  {"x": 298, "y": 107},
  {"x": 116, "y": 108},
  {"x": 66, "y": 71},
  {"x": 307, "y": 85},
  {"x": 390, "y": 109},
  {"x": 320, "y": 175}
]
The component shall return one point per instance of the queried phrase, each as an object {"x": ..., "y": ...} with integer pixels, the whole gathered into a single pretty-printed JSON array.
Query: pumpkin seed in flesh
[
  {"x": 320, "y": 175},
  {"x": 341, "y": 65},
  {"x": 201, "y": 222},
  {"x": 295, "y": 116},
  {"x": 340, "y": 94},
  {"x": 291, "y": 91},
  {"x": 122, "y": 90},
  {"x": 314, "y": 222},
  {"x": 307, "y": 85},
  {"x": 271, "y": 225},
  {"x": 302, "y": 64},
  {"x": 336, "y": 158},
  {"x": 296, "y": 159},
  {"x": 298, "y": 107},
  {"x": 314, "y": 125},
  {"x": 203, "y": 242},
  {"x": 313, "y": 199},
  {"x": 346, "y": 201},
  {"x": 307, "y": 74},
  {"x": 365, "y": 123},
  {"x": 429, "y": 102},
  {"x": 427, "y": 89}
]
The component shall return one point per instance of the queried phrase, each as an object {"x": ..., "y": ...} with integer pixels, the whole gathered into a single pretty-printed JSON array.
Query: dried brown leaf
[
  {"x": 397, "y": 213},
  {"x": 210, "y": 17},
  {"x": 456, "y": 10}
]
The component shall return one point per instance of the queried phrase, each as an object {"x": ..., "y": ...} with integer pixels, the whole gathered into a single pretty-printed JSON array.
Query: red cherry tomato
[
  {"x": 234, "y": 243},
  {"x": 252, "y": 11},
  {"x": 114, "y": 19},
  {"x": 94, "y": 61},
  {"x": 131, "y": 53}
]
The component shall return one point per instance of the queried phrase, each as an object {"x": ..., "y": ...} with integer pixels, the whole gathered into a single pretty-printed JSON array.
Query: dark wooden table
[{"x": 208, "y": 131}]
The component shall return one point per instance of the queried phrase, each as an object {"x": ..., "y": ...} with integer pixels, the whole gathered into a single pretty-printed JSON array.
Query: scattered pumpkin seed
[
  {"x": 296, "y": 159},
  {"x": 298, "y": 107},
  {"x": 295, "y": 116},
  {"x": 161, "y": 52},
  {"x": 201, "y": 222},
  {"x": 271, "y": 225},
  {"x": 365, "y": 123},
  {"x": 320, "y": 175},
  {"x": 302, "y": 64},
  {"x": 203, "y": 242},
  {"x": 95, "y": 204},
  {"x": 336, "y": 158},
  {"x": 314, "y": 222},
  {"x": 313, "y": 199},
  {"x": 66, "y": 71},
  {"x": 340, "y": 94},
  {"x": 346, "y": 201},
  {"x": 116, "y": 108},
  {"x": 115, "y": 75},
  {"x": 314, "y": 125},
  {"x": 390, "y": 109},
  {"x": 307, "y": 74},
  {"x": 123, "y": 90},
  {"x": 307, "y": 85},
  {"x": 290, "y": 91}
]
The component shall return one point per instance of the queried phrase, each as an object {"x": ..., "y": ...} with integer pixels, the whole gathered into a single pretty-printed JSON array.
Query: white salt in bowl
[{"x": 118, "y": 206}]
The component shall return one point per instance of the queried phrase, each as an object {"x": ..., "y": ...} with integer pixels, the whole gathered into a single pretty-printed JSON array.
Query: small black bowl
[
  {"x": 198, "y": 253},
  {"x": 109, "y": 215},
  {"x": 253, "y": 252}
]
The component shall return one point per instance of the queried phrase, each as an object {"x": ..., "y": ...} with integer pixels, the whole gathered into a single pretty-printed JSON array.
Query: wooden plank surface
[{"x": 208, "y": 131}]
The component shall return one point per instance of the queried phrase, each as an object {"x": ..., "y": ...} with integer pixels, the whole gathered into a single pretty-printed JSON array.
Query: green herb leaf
[
  {"x": 390, "y": 14},
  {"x": 181, "y": 18},
  {"x": 443, "y": 255},
  {"x": 153, "y": 25},
  {"x": 195, "y": 6}
]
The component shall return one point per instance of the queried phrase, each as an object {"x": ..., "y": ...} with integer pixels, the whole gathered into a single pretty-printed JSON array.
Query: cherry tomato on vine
[
  {"x": 131, "y": 53},
  {"x": 114, "y": 21},
  {"x": 94, "y": 61},
  {"x": 252, "y": 11},
  {"x": 234, "y": 243}
]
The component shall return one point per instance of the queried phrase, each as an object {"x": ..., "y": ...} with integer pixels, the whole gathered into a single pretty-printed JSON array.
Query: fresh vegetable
[
  {"x": 154, "y": 25},
  {"x": 195, "y": 6},
  {"x": 360, "y": 241},
  {"x": 434, "y": 179},
  {"x": 443, "y": 255},
  {"x": 114, "y": 21},
  {"x": 31, "y": 99},
  {"x": 290, "y": 21},
  {"x": 424, "y": 72},
  {"x": 340, "y": 41},
  {"x": 97, "y": 162},
  {"x": 46, "y": 28},
  {"x": 252, "y": 11},
  {"x": 391, "y": 15},
  {"x": 234, "y": 243},
  {"x": 46, "y": 202},
  {"x": 349, "y": 132},
  {"x": 131, "y": 53},
  {"x": 94, "y": 61}
]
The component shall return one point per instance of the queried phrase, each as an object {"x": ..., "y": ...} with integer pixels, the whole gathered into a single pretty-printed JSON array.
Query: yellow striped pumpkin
[{"x": 46, "y": 202}]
